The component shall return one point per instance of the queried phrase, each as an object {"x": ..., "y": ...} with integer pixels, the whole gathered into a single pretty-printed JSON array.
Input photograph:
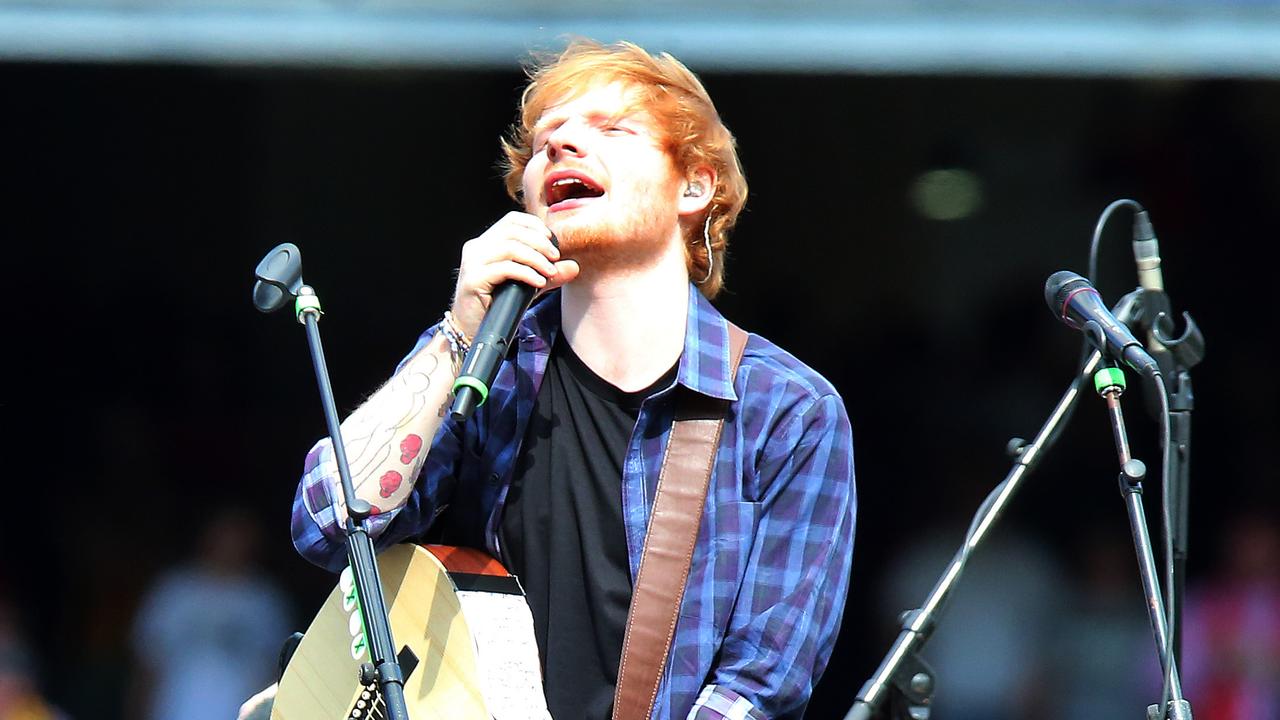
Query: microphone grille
[{"x": 1059, "y": 287}]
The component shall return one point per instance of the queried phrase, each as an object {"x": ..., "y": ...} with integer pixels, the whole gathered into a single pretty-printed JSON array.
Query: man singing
[{"x": 623, "y": 157}]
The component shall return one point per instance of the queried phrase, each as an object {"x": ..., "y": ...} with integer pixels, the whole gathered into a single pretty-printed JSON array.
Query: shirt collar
[{"x": 704, "y": 363}]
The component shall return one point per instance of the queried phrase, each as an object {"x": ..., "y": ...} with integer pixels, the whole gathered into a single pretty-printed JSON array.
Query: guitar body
[{"x": 464, "y": 639}]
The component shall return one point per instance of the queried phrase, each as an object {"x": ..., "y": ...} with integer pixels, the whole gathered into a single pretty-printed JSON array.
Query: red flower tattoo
[
  {"x": 410, "y": 446},
  {"x": 389, "y": 483}
]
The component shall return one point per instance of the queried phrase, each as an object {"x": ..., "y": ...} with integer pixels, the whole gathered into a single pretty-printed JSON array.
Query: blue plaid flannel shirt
[{"x": 770, "y": 571}]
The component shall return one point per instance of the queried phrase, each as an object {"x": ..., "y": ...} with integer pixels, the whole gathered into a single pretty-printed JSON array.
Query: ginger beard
[{"x": 621, "y": 229}]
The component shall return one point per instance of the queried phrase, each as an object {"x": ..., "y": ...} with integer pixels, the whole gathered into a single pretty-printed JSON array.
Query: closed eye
[
  {"x": 613, "y": 124},
  {"x": 616, "y": 130}
]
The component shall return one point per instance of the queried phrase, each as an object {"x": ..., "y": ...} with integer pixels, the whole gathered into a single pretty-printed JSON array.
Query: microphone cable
[
  {"x": 1166, "y": 518},
  {"x": 1097, "y": 234},
  {"x": 1166, "y": 449}
]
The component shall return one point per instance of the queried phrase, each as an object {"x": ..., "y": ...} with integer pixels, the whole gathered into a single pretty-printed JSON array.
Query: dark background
[{"x": 143, "y": 389}]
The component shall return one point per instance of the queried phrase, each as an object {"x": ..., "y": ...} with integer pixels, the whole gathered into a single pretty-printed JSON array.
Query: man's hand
[
  {"x": 517, "y": 247},
  {"x": 258, "y": 707}
]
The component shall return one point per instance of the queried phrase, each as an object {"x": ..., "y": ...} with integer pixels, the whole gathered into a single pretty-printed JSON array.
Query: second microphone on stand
[{"x": 1075, "y": 302}]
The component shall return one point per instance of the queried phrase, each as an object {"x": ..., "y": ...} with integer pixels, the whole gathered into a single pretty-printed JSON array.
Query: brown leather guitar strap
[{"x": 668, "y": 545}]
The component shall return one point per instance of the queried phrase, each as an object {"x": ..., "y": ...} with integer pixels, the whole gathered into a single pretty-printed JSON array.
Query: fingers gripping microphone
[
  {"x": 490, "y": 346},
  {"x": 492, "y": 342},
  {"x": 1074, "y": 301}
]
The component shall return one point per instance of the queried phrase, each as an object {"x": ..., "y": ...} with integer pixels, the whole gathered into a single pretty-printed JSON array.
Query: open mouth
[{"x": 562, "y": 188}]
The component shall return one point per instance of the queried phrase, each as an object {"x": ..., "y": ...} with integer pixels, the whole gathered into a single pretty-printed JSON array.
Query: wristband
[{"x": 459, "y": 343}]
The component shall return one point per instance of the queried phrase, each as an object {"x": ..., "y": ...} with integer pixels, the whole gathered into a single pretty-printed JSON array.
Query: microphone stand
[
  {"x": 1176, "y": 356},
  {"x": 1110, "y": 385},
  {"x": 279, "y": 279},
  {"x": 904, "y": 682}
]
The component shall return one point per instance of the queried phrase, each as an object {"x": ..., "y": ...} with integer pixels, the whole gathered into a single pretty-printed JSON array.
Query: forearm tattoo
[{"x": 385, "y": 426}]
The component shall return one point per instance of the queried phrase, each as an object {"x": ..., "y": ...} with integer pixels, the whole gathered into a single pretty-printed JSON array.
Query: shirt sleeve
[
  {"x": 788, "y": 610},
  {"x": 721, "y": 703},
  {"x": 318, "y": 534}
]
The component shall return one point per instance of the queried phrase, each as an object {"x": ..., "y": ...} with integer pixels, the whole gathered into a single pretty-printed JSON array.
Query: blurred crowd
[
  {"x": 204, "y": 637},
  {"x": 1026, "y": 634}
]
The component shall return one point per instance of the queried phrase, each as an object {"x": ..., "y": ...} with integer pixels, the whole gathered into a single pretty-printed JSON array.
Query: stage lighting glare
[{"x": 947, "y": 194}]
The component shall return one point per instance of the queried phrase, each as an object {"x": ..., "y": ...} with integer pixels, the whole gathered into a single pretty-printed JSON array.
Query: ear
[{"x": 696, "y": 191}]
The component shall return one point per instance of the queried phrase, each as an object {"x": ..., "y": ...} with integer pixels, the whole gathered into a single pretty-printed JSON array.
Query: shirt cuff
[
  {"x": 721, "y": 703},
  {"x": 321, "y": 482}
]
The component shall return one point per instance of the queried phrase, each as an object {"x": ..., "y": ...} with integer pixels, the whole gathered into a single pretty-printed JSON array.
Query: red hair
[{"x": 694, "y": 135}]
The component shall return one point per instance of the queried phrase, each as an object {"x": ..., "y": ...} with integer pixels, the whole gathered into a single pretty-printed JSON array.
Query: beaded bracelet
[{"x": 459, "y": 343}]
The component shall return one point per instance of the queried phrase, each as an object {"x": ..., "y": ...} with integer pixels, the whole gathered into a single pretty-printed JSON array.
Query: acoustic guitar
[{"x": 465, "y": 638}]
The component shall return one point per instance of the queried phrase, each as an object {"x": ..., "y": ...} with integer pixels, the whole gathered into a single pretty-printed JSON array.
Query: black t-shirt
[{"x": 562, "y": 531}]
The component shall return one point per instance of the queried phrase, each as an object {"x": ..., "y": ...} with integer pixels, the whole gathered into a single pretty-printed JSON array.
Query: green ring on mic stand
[
  {"x": 474, "y": 384},
  {"x": 304, "y": 303},
  {"x": 1108, "y": 378}
]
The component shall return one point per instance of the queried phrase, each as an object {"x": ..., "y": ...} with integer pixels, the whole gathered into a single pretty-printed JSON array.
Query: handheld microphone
[
  {"x": 1074, "y": 301},
  {"x": 492, "y": 342}
]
